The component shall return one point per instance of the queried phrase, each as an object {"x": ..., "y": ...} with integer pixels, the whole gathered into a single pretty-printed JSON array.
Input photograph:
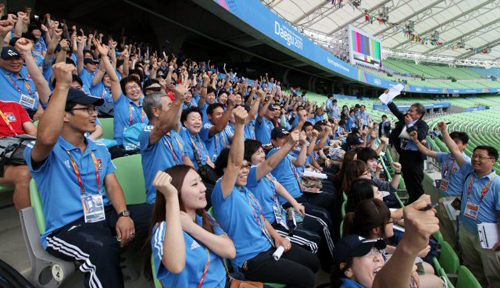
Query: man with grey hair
[
  {"x": 412, "y": 161},
  {"x": 161, "y": 145}
]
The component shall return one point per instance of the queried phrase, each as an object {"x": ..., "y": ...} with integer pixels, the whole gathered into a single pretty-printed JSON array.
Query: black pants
[
  {"x": 303, "y": 237},
  {"x": 295, "y": 268},
  {"x": 96, "y": 247},
  {"x": 413, "y": 173}
]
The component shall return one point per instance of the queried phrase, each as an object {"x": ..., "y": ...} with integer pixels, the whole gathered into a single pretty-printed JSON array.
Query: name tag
[
  {"x": 444, "y": 185},
  {"x": 27, "y": 101},
  {"x": 471, "y": 210},
  {"x": 93, "y": 208}
]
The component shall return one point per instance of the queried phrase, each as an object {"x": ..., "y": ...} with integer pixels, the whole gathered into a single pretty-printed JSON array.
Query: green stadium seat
[
  {"x": 131, "y": 178},
  {"x": 443, "y": 274},
  {"x": 448, "y": 258},
  {"x": 108, "y": 127},
  {"x": 466, "y": 279}
]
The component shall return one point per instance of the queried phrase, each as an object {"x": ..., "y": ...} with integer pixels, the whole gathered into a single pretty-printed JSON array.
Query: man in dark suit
[{"x": 410, "y": 158}]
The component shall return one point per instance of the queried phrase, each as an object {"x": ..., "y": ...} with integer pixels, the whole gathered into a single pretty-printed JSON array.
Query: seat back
[
  {"x": 131, "y": 177},
  {"x": 448, "y": 282},
  {"x": 108, "y": 127},
  {"x": 448, "y": 258},
  {"x": 36, "y": 203},
  {"x": 466, "y": 279}
]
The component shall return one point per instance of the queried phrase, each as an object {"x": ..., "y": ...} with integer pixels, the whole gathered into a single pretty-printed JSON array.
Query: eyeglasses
[
  {"x": 246, "y": 166},
  {"x": 374, "y": 252},
  {"x": 480, "y": 157},
  {"x": 131, "y": 87},
  {"x": 91, "y": 109}
]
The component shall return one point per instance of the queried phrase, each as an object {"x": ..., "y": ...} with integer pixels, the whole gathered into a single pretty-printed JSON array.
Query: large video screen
[{"x": 364, "y": 49}]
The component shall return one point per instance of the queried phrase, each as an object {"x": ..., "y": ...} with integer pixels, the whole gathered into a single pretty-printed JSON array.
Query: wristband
[{"x": 398, "y": 173}]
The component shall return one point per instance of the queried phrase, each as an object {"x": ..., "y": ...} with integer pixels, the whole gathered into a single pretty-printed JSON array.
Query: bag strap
[
  {"x": 206, "y": 270},
  {"x": 197, "y": 157}
]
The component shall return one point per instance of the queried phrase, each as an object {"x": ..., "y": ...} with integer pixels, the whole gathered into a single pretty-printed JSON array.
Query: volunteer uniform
[{"x": 127, "y": 113}]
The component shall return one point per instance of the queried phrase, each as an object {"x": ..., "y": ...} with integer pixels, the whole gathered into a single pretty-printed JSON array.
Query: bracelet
[{"x": 397, "y": 173}]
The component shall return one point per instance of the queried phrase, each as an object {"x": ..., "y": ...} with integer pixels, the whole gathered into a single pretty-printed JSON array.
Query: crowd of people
[{"x": 235, "y": 169}]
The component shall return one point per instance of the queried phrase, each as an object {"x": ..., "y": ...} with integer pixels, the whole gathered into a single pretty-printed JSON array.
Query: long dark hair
[
  {"x": 361, "y": 189},
  {"x": 178, "y": 174},
  {"x": 369, "y": 214},
  {"x": 353, "y": 170}
]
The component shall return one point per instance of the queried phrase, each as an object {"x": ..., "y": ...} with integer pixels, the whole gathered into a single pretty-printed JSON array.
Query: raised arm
[
  {"x": 167, "y": 121},
  {"x": 421, "y": 147},
  {"x": 116, "y": 89},
  {"x": 222, "y": 123},
  {"x": 394, "y": 110},
  {"x": 204, "y": 86},
  {"x": 312, "y": 144},
  {"x": 79, "y": 56},
  {"x": 236, "y": 153},
  {"x": 174, "y": 247},
  {"x": 254, "y": 109},
  {"x": 455, "y": 152},
  {"x": 42, "y": 86},
  {"x": 264, "y": 108},
  {"x": 51, "y": 123},
  {"x": 273, "y": 161},
  {"x": 301, "y": 160},
  {"x": 52, "y": 46}
]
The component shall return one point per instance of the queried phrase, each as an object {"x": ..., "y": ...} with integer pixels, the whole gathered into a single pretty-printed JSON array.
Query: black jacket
[{"x": 420, "y": 126}]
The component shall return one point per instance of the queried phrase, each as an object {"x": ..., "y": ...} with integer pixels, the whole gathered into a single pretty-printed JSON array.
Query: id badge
[
  {"x": 266, "y": 232},
  {"x": 279, "y": 216},
  {"x": 27, "y": 101},
  {"x": 404, "y": 144},
  {"x": 444, "y": 185},
  {"x": 471, "y": 210},
  {"x": 93, "y": 208}
]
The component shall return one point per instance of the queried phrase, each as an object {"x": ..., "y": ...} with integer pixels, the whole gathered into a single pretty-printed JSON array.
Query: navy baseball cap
[
  {"x": 279, "y": 132},
  {"x": 80, "y": 97},
  {"x": 90, "y": 61},
  {"x": 9, "y": 53},
  {"x": 355, "y": 246}
]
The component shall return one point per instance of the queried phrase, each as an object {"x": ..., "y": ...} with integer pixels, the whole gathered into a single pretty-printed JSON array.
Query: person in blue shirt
[
  {"x": 241, "y": 216},
  {"x": 87, "y": 218},
  {"x": 264, "y": 122},
  {"x": 351, "y": 121},
  {"x": 27, "y": 87},
  {"x": 364, "y": 115},
  {"x": 189, "y": 247},
  {"x": 161, "y": 145},
  {"x": 480, "y": 204},
  {"x": 216, "y": 133},
  {"x": 207, "y": 97},
  {"x": 195, "y": 147},
  {"x": 127, "y": 97},
  {"x": 89, "y": 72}
]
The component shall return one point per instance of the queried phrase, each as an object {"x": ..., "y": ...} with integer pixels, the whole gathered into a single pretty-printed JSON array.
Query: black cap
[
  {"x": 279, "y": 132},
  {"x": 271, "y": 107},
  {"x": 90, "y": 61},
  {"x": 9, "y": 53},
  {"x": 355, "y": 246},
  {"x": 80, "y": 97},
  {"x": 13, "y": 41},
  {"x": 354, "y": 140}
]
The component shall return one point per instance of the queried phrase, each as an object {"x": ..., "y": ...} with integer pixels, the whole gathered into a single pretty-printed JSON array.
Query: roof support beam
[
  {"x": 490, "y": 44},
  {"x": 310, "y": 12},
  {"x": 447, "y": 22}
]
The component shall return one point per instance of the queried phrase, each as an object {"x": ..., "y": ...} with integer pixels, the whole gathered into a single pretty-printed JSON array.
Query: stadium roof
[{"x": 474, "y": 21}]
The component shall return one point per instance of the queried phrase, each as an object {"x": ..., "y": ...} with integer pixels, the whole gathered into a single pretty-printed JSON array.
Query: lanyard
[
  {"x": 197, "y": 150},
  {"x": 206, "y": 270},
  {"x": 19, "y": 89},
  {"x": 446, "y": 167},
  {"x": 173, "y": 151},
  {"x": 294, "y": 170},
  {"x": 255, "y": 212},
  {"x": 8, "y": 122},
  {"x": 77, "y": 172},
  {"x": 217, "y": 142},
  {"x": 132, "y": 114},
  {"x": 485, "y": 190}
]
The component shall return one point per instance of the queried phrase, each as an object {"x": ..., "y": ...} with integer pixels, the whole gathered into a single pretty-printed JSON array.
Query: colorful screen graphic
[{"x": 364, "y": 49}]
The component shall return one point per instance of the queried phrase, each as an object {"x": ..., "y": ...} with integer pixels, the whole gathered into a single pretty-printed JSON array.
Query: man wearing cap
[
  {"x": 19, "y": 85},
  {"x": 411, "y": 159},
  {"x": 265, "y": 123},
  {"x": 89, "y": 71},
  {"x": 87, "y": 219},
  {"x": 353, "y": 142}
]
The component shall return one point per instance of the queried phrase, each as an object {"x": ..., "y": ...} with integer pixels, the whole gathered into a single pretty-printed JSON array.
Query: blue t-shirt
[
  {"x": 348, "y": 283},
  {"x": 265, "y": 192},
  {"x": 449, "y": 169},
  {"x": 264, "y": 130},
  {"x": 287, "y": 174},
  {"x": 102, "y": 91},
  {"x": 87, "y": 78},
  {"x": 250, "y": 130},
  {"x": 218, "y": 142},
  {"x": 194, "y": 144},
  {"x": 58, "y": 183},
  {"x": 168, "y": 152},
  {"x": 21, "y": 90},
  {"x": 489, "y": 207},
  {"x": 196, "y": 261},
  {"x": 238, "y": 216},
  {"x": 123, "y": 108}
]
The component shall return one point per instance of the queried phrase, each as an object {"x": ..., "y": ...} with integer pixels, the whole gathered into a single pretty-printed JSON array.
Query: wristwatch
[{"x": 125, "y": 213}]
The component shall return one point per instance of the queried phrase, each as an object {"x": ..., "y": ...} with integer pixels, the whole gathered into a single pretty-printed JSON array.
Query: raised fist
[{"x": 240, "y": 115}]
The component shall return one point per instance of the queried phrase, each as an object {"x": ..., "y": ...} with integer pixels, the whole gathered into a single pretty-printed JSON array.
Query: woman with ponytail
[{"x": 188, "y": 245}]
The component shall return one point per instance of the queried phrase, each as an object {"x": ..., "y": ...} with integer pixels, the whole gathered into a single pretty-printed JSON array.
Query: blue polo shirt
[
  {"x": 490, "y": 205},
  {"x": 87, "y": 77},
  {"x": 250, "y": 130},
  {"x": 196, "y": 261},
  {"x": 449, "y": 169},
  {"x": 286, "y": 173},
  {"x": 351, "y": 123},
  {"x": 102, "y": 91},
  {"x": 365, "y": 116},
  {"x": 58, "y": 184},
  {"x": 194, "y": 144},
  {"x": 204, "y": 112},
  {"x": 216, "y": 143},
  {"x": 264, "y": 130},
  {"x": 123, "y": 107},
  {"x": 237, "y": 216},
  {"x": 12, "y": 88},
  {"x": 265, "y": 192},
  {"x": 168, "y": 152},
  {"x": 193, "y": 103},
  {"x": 348, "y": 283}
]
